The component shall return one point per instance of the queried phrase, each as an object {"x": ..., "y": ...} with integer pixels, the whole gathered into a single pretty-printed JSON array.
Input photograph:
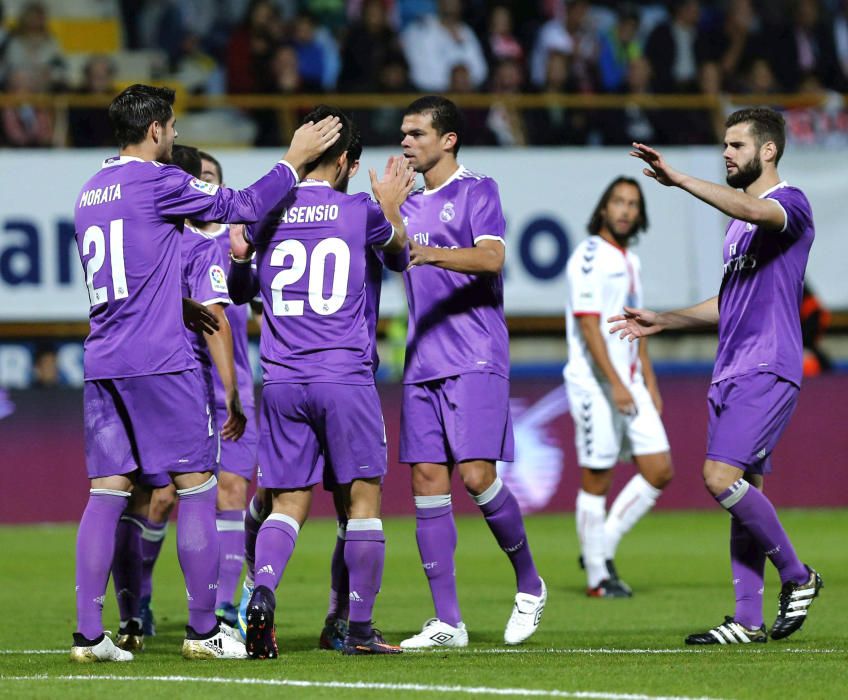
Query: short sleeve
[
  {"x": 204, "y": 273},
  {"x": 487, "y": 219},
  {"x": 585, "y": 283},
  {"x": 796, "y": 208},
  {"x": 378, "y": 231}
]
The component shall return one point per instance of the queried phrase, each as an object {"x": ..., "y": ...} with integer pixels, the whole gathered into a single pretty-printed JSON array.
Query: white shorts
[{"x": 604, "y": 435}]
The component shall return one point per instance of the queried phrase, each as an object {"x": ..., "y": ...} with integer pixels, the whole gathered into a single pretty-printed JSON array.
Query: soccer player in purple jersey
[
  {"x": 238, "y": 458},
  {"x": 144, "y": 406},
  {"x": 757, "y": 374},
  {"x": 153, "y": 498},
  {"x": 455, "y": 411},
  {"x": 319, "y": 395}
]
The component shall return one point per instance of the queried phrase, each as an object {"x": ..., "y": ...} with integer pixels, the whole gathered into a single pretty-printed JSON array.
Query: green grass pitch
[{"x": 676, "y": 563}]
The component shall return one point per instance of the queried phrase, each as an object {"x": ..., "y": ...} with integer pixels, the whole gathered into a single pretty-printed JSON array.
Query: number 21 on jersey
[
  {"x": 95, "y": 238},
  {"x": 294, "y": 249}
]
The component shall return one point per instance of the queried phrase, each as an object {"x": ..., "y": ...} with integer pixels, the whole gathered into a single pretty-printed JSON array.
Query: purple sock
[
  {"x": 507, "y": 525},
  {"x": 152, "y": 537},
  {"x": 364, "y": 554},
  {"x": 254, "y": 516},
  {"x": 435, "y": 531},
  {"x": 274, "y": 546},
  {"x": 95, "y": 551},
  {"x": 748, "y": 563},
  {"x": 230, "y": 524},
  {"x": 197, "y": 549},
  {"x": 757, "y": 515},
  {"x": 126, "y": 567},
  {"x": 338, "y": 609}
]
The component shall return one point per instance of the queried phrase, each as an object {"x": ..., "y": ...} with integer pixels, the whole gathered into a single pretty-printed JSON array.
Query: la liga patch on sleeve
[
  {"x": 218, "y": 279},
  {"x": 205, "y": 187}
]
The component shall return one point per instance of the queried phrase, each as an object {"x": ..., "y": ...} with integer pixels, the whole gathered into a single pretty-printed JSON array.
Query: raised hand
[
  {"x": 657, "y": 168},
  {"x": 636, "y": 323},
  {"x": 198, "y": 318},
  {"x": 311, "y": 140},
  {"x": 239, "y": 246},
  {"x": 397, "y": 182}
]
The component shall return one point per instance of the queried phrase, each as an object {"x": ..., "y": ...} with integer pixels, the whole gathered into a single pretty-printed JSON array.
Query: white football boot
[
  {"x": 436, "y": 633},
  {"x": 104, "y": 650},
  {"x": 219, "y": 646},
  {"x": 526, "y": 615}
]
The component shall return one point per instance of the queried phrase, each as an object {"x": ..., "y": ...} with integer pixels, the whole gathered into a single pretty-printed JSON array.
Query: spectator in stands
[
  {"x": 45, "y": 367},
  {"x": 32, "y": 49},
  {"x": 4, "y": 35},
  {"x": 317, "y": 52},
  {"x": 366, "y": 48},
  {"x": 252, "y": 45},
  {"x": 634, "y": 122},
  {"x": 674, "y": 49},
  {"x": 735, "y": 44},
  {"x": 504, "y": 120},
  {"x": 618, "y": 47},
  {"x": 89, "y": 127},
  {"x": 555, "y": 125},
  {"x": 381, "y": 125},
  {"x": 501, "y": 43},
  {"x": 24, "y": 125},
  {"x": 584, "y": 35},
  {"x": 331, "y": 12},
  {"x": 433, "y": 45},
  {"x": 760, "y": 79},
  {"x": 840, "y": 40},
  {"x": 815, "y": 320},
  {"x": 805, "y": 48},
  {"x": 552, "y": 37},
  {"x": 411, "y": 11}
]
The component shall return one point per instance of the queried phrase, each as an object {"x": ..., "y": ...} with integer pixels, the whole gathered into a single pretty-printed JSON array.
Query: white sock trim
[
  {"x": 646, "y": 487},
  {"x": 738, "y": 489},
  {"x": 207, "y": 485},
  {"x": 482, "y": 499},
  {"x": 341, "y": 529},
  {"x": 229, "y": 525},
  {"x": 257, "y": 515},
  {"x": 109, "y": 492},
  {"x": 361, "y": 524},
  {"x": 433, "y": 501},
  {"x": 591, "y": 502},
  {"x": 287, "y": 519},
  {"x": 147, "y": 533}
]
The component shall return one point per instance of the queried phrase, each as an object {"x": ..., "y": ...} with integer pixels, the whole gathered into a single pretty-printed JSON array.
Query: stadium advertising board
[{"x": 548, "y": 196}]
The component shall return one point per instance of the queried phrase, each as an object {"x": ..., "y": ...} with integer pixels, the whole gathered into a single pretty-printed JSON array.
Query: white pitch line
[
  {"x": 577, "y": 650},
  {"x": 363, "y": 685}
]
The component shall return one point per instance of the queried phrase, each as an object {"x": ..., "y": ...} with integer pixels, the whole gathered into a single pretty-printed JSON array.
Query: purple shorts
[
  {"x": 300, "y": 423},
  {"x": 747, "y": 416},
  {"x": 456, "y": 419},
  {"x": 239, "y": 456},
  {"x": 159, "y": 424}
]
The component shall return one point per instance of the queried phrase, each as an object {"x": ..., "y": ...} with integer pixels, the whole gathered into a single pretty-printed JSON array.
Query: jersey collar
[
  {"x": 459, "y": 171},
  {"x": 313, "y": 183},
  {"x": 778, "y": 186},
  {"x": 119, "y": 160}
]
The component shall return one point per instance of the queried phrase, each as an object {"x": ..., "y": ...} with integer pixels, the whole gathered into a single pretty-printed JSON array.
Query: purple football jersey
[
  {"x": 204, "y": 280},
  {"x": 311, "y": 263},
  {"x": 237, "y": 315},
  {"x": 456, "y": 321},
  {"x": 127, "y": 219},
  {"x": 759, "y": 302}
]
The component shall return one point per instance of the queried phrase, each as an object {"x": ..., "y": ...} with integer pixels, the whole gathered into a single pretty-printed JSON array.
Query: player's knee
[
  {"x": 162, "y": 501},
  {"x": 661, "y": 477},
  {"x": 430, "y": 480},
  {"x": 232, "y": 491},
  {"x": 596, "y": 482},
  {"x": 477, "y": 477},
  {"x": 716, "y": 480}
]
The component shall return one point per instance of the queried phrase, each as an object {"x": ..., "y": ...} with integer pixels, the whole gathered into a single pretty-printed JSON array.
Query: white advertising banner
[{"x": 548, "y": 197}]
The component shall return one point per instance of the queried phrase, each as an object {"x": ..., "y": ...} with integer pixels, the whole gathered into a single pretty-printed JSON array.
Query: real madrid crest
[{"x": 447, "y": 213}]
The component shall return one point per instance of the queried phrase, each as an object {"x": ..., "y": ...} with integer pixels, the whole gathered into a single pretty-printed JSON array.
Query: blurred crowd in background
[{"x": 502, "y": 48}]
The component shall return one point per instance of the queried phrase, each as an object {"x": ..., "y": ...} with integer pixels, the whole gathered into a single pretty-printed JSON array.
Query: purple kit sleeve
[
  {"x": 180, "y": 195},
  {"x": 378, "y": 230},
  {"x": 487, "y": 219},
  {"x": 799, "y": 214}
]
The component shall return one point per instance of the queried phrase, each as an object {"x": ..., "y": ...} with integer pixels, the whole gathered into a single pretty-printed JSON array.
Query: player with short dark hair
[
  {"x": 612, "y": 389},
  {"x": 319, "y": 397},
  {"x": 455, "y": 411},
  {"x": 758, "y": 368},
  {"x": 144, "y": 408}
]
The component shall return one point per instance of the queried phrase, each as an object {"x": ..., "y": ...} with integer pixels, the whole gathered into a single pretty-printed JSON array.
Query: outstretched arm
[
  {"x": 738, "y": 205},
  {"x": 485, "y": 258},
  {"x": 639, "y": 323}
]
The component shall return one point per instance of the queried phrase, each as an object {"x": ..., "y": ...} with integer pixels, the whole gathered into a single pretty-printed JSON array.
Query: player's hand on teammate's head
[
  {"x": 240, "y": 247},
  {"x": 198, "y": 318},
  {"x": 635, "y": 323},
  {"x": 234, "y": 426},
  {"x": 657, "y": 168},
  {"x": 311, "y": 140}
]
